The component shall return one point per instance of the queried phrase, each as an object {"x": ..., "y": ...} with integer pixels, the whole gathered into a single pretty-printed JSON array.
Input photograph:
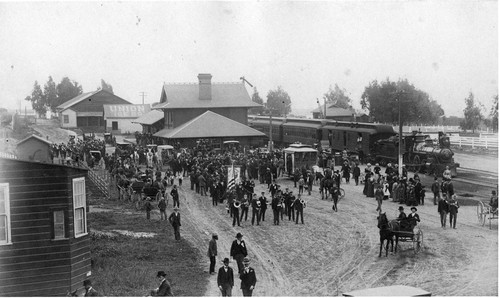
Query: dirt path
[{"x": 338, "y": 252}]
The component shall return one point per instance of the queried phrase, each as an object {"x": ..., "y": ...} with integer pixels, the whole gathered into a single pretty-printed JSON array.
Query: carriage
[
  {"x": 404, "y": 231},
  {"x": 485, "y": 212}
]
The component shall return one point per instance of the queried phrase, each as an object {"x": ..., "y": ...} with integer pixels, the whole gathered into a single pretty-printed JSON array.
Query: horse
[{"x": 386, "y": 233}]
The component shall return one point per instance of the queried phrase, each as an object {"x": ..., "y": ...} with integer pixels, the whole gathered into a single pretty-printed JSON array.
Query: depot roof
[{"x": 209, "y": 125}]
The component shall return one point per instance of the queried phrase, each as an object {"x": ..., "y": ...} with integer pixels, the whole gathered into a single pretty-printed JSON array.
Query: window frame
[
  {"x": 65, "y": 119},
  {"x": 65, "y": 224},
  {"x": 8, "y": 228},
  {"x": 79, "y": 207}
]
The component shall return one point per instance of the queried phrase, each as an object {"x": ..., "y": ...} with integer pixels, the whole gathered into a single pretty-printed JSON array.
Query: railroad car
[
  {"x": 355, "y": 137},
  {"x": 420, "y": 153}
]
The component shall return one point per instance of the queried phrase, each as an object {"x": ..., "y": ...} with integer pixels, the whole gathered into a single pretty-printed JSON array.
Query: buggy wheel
[
  {"x": 418, "y": 241},
  {"x": 481, "y": 213},
  {"x": 342, "y": 193}
]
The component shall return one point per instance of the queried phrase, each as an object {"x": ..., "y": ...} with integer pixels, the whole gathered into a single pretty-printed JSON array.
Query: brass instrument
[
  {"x": 258, "y": 203},
  {"x": 281, "y": 203},
  {"x": 303, "y": 202},
  {"x": 237, "y": 204}
]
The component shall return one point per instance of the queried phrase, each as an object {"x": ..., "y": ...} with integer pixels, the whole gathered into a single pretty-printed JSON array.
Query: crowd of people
[{"x": 160, "y": 182}]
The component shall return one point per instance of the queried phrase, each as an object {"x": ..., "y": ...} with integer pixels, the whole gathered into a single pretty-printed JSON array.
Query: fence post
[
  {"x": 486, "y": 143},
  {"x": 472, "y": 139}
]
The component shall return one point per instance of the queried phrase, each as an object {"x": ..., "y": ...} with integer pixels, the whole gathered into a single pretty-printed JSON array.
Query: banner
[{"x": 233, "y": 176}]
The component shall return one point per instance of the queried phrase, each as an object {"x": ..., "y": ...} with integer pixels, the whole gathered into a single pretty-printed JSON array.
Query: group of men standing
[{"x": 225, "y": 276}]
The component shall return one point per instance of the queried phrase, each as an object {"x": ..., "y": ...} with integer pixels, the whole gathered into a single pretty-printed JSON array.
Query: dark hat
[
  {"x": 87, "y": 282},
  {"x": 413, "y": 208},
  {"x": 401, "y": 208},
  {"x": 239, "y": 235},
  {"x": 214, "y": 235},
  {"x": 176, "y": 208},
  {"x": 226, "y": 261},
  {"x": 246, "y": 260},
  {"x": 161, "y": 273}
]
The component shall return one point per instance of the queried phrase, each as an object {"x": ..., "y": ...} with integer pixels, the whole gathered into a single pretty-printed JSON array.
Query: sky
[{"x": 444, "y": 48}]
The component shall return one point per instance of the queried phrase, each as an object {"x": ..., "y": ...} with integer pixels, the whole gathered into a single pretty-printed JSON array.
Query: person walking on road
[
  {"x": 225, "y": 279},
  {"x": 212, "y": 252},
  {"x": 175, "y": 196},
  {"x": 443, "y": 210},
  {"x": 175, "y": 221},
  {"x": 162, "y": 205},
  {"x": 239, "y": 251},
  {"x": 248, "y": 278},
  {"x": 453, "y": 208},
  {"x": 435, "y": 187}
]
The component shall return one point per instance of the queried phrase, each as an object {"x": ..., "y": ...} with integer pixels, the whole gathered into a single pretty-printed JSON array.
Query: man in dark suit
[
  {"x": 175, "y": 221},
  {"x": 212, "y": 252},
  {"x": 164, "y": 289},
  {"x": 239, "y": 251},
  {"x": 263, "y": 206},
  {"x": 248, "y": 278},
  {"x": 225, "y": 279},
  {"x": 175, "y": 196},
  {"x": 89, "y": 290}
]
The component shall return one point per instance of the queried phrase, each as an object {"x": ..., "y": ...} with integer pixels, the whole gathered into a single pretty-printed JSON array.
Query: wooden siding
[
  {"x": 95, "y": 102},
  {"x": 181, "y": 116},
  {"x": 34, "y": 264}
]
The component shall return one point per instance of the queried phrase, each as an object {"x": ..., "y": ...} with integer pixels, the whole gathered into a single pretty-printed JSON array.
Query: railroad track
[{"x": 478, "y": 177}]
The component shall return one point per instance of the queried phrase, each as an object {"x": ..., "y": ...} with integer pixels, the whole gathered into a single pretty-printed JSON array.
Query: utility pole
[
  {"x": 400, "y": 133},
  {"x": 143, "y": 94}
]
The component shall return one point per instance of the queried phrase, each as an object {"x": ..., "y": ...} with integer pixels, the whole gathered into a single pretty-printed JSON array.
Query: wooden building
[
  {"x": 214, "y": 128},
  {"x": 340, "y": 114},
  {"x": 182, "y": 103},
  {"x": 86, "y": 111},
  {"x": 120, "y": 119},
  {"x": 34, "y": 148},
  {"x": 44, "y": 241},
  {"x": 151, "y": 122}
]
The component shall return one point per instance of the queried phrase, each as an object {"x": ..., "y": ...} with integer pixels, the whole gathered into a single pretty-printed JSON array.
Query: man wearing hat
[
  {"x": 225, "y": 279},
  {"x": 148, "y": 207},
  {"x": 175, "y": 221},
  {"x": 263, "y": 206},
  {"x": 413, "y": 216},
  {"x": 402, "y": 214},
  {"x": 248, "y": 278},
  {"x": 164, "y": 289},
  {"x": 89, "y": 290},
  {"x": 175, "y": 196},
  {"x": 239, "y": 251},
  {"x": 212, "y": 252}
]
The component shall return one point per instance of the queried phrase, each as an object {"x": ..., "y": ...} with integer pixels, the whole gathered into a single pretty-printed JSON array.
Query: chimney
[{"x": 205, "y": 80}]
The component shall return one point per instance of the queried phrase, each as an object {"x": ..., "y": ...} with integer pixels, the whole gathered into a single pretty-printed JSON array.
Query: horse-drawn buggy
[
  {"x": 403, "y": 230},
  {"x": 486, "y": 212}
]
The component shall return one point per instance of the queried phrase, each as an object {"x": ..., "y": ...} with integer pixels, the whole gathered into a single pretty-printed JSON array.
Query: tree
[
  {"x": 37, "y": 99},
  {"x": 257, "y": 99},
  {"x": 67, "y": 90},
  {"x": 381, "y": 100},
  {"x": 472, "y": 114},
  {"x": 494, "y": 113},
  {"x": 337, "y": 97},
  {"x": 50, "y": 94},
  {"x": 107, "y": 87},
  {"x": 278, "y": 102}
]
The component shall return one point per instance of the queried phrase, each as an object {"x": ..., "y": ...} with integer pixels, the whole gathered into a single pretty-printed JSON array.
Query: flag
[{"x": 233, "y": 176}]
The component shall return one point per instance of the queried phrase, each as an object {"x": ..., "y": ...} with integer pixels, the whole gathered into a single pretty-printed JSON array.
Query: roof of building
[
  {"x": 36, "y": 137},
  {"x": 224, "y": 95},
  {"x": 150, "y": 118},
  {"x": 125, "y": 110},
  {"x": 75, "y": 100},
  {"x": 209, "y": 125},
  {"x": 333, "y": 111}
]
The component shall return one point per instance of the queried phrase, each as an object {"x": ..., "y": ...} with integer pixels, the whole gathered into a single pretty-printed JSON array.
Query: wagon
[
  {"x": 414, "y": 236},
  {"x": 485, "y": 212}
]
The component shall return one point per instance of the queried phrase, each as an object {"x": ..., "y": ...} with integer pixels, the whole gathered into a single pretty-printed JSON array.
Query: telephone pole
[{"x": 143, "y": 94}]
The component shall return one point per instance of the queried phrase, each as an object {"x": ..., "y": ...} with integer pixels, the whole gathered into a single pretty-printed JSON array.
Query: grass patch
[{"x": 126, "y": 266}]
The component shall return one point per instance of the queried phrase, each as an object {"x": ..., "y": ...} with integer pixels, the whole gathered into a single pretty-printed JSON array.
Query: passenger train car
[{"x": 337, "y": 136}]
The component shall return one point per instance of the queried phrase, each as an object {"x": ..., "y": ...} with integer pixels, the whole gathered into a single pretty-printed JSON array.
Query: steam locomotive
[{"x": 420, "y": 154}]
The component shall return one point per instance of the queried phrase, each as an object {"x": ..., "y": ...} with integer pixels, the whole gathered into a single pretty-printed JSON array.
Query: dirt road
[{"x": 334, "y": 253}]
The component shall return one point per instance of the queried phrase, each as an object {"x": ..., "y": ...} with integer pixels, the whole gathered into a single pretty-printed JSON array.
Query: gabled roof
[
  {"x": 332, "y": 110},
  {"x": 209, "y": 125},
  {"x": 150, "y": 118},
  {"x": 75, "y": 100},
  {"x": 179, "y": 96},
  {"x": 36, "y": 137}
]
